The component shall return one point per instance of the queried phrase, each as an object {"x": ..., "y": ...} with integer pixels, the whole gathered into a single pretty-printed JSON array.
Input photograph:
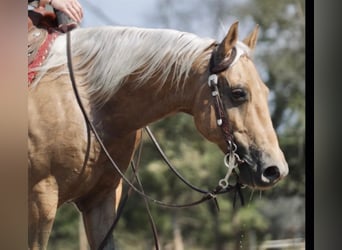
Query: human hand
[{"x": 70, "y": 7}]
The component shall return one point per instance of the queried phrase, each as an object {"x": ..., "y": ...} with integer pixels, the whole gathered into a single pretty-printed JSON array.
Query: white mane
[{"x": 105, "y": 56}]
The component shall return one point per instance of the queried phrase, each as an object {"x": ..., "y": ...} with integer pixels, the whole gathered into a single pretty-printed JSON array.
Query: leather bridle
[
  {"x": 221, "y": 114},
  {"x": 231, "y": 159}
]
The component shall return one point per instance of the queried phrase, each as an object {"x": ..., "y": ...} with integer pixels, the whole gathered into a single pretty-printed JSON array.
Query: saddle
[
  {"x": 39, "y": 24},
  {"x": 42, "y": 31}
]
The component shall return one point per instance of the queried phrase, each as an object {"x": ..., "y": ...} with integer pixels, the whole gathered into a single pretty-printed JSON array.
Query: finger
[
  {"x": 79, "y": 8},
  {"x": 75, "y": 14},
  {"x": 71, "y": 15},
  {"x": 76, "y": 10},
  {"x": 78, "y": 5}
]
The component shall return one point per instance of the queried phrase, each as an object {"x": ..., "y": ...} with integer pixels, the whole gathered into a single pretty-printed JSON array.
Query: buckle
[{"x": 212, "y": 80}]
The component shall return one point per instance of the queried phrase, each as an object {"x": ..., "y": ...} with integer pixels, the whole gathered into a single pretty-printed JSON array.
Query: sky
[
  {"x": 140, "y": 13},
  {"x": 117, "y": 12}
]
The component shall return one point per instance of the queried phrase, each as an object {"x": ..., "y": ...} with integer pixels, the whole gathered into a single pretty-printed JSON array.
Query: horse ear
[
  {"x": 226, "y": 45},
  {"x": 252, "y": 38},
  {"x": 229, "y": 41}
]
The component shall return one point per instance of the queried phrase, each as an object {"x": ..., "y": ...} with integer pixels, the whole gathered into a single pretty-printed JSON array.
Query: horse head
[{"x": 244, "y": 99}]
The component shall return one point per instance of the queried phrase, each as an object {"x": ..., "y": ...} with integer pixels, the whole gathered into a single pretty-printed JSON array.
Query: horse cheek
[{"x": 205, "y": 121}]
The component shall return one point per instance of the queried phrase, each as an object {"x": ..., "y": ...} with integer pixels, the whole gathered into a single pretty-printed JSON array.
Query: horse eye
[{"x": 239, "y": 94}]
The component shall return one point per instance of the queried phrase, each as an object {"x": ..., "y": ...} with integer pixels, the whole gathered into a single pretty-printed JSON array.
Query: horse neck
[{"x": 133, "y": 108}]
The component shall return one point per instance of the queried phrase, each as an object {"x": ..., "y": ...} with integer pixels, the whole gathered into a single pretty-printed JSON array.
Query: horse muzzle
[{"x": 260, "y": 171}]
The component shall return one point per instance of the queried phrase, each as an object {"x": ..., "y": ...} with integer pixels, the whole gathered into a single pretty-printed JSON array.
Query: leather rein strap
[{"x": 208, "y": 195}]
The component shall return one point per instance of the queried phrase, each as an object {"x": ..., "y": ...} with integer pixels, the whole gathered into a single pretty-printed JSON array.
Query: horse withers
[{"x": 128, "y": 78}]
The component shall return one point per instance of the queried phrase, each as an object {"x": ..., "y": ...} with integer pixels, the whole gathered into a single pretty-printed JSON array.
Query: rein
[{"x": 231, "y": 159}]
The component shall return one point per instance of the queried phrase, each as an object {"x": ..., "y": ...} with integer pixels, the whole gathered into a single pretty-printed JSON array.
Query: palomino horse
[{"x": 128, "y": 78}]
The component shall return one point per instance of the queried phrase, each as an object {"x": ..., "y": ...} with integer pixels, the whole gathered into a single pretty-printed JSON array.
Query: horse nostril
[{"x": 271, "y": 173}]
